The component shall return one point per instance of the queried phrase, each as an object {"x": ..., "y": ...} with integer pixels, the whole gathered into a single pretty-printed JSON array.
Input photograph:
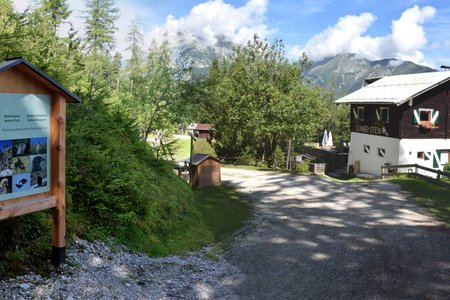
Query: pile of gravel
[{"x": 96, "y": 271}]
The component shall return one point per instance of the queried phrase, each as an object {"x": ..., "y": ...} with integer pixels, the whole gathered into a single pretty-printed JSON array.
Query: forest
[{"x": 117, "y": 184}]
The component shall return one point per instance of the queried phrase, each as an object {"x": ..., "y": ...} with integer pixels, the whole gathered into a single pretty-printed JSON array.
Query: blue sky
[{"x": 409, "y": 29}]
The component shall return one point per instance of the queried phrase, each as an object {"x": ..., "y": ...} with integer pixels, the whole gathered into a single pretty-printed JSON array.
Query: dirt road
[{"x": 316, "y": 239}]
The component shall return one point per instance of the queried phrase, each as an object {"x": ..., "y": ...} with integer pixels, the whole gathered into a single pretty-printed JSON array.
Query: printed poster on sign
[{"x": 24, "y": 145}]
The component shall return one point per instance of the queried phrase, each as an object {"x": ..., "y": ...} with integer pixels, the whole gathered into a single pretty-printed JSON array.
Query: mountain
[
  {"x": 201, "y": 56},
  {"x": 347, "y": 72},
  {"x": 344, "y": 72}
]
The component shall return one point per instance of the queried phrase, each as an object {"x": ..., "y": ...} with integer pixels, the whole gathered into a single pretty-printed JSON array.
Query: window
[
  {"x": 426, "y": 117},
  {"x": 445, "y": 154},
  {"x": 366, "y": 148},
  {"x": 384, "y": 114},
  {"x": 360, "y": 113},
  {"x": 425, "y": 114},
  {"x": 381, "y": 152},
  {"x": 420, "y": 155}
]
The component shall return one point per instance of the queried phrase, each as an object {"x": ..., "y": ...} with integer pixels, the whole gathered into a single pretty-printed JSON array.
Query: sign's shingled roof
[{"x": 10, "y": 63}]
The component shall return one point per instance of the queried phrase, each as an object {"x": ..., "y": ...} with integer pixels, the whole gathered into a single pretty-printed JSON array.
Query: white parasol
[
  {"x": 325, "y": 138},
  {"x": 330, "y": 139}
]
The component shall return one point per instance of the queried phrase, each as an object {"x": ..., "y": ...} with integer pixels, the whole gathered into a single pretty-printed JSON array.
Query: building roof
[
  {"x": 199, "y": 158},
  {"x": 199, "y": 126},
  {"x": 10, "y": 63},
  {"x": 396, "y": 89}
]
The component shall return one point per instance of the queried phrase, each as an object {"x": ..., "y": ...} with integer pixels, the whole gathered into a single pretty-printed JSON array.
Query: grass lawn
[
  {"x": 223, "y": 210},
  {"x": 435, "y": 198}
]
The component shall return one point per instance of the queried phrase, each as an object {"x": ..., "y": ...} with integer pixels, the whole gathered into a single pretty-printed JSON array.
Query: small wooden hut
[
  {"x": 205, "y": 171},
  {"x": 204, "y": 131}
]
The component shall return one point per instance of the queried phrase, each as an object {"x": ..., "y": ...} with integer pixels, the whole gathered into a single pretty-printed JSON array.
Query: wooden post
[
  {"x": 58, "y": 178},
  {"x": 288, "y": 159},
  {"x": 191, "y": 158}
]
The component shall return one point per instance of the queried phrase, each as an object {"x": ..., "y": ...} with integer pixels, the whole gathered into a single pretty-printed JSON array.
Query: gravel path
[
  {"x": 95, "y": 271},
  {"x": 310, "y": 239},
  {"x": 317, "y": 239}
]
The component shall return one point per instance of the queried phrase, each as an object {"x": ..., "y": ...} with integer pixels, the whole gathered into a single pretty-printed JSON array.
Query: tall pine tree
[{"x": 100, "y": 18}]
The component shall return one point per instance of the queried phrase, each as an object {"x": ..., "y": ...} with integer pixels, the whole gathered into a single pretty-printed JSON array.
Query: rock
[
  {"x": 24, "y": 286},
  {"x": 95, "y": 271}
]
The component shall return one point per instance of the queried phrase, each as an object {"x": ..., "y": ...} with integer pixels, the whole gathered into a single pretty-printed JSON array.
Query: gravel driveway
[{"x": 313, "y": 238}]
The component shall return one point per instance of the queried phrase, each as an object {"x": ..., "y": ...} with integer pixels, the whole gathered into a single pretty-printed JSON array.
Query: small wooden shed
[
  {"x": 205, "y": 171},
  {"x": 204, "y": 131}
]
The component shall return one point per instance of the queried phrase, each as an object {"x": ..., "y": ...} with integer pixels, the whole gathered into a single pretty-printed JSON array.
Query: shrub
[
  {"x": 115, "y": 188},
  {"x": 115, "y": 181},
  {"x": 302, "y": 167},
  {"x": 447, "y": 167},
  {"x": 279, "y": 158},
  {"x": 248, "y": 157}
]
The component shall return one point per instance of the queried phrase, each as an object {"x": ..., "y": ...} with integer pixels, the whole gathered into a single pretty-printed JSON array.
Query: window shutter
[
  {"x": 435, "y": 117},
  {"x": 378, "y": 113},
  {"x": 435, "y": 162},
  {"x": 416, "y": 118},
  {"x": 355, "y": 114}
]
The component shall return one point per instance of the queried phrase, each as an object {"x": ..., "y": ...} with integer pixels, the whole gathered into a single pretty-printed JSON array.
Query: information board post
[{"x": 58, "y": 138}]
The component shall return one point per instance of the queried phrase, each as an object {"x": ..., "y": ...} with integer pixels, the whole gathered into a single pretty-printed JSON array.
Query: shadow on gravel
[{"x": 316, "y": 239}]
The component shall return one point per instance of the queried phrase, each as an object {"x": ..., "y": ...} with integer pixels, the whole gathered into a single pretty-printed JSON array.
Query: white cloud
[
  {"x": 204, "y": 23},
  {"x": 212, "y": 19},
  {"x": 405, "y": 41},
  {"x": 396, "y": 63}
]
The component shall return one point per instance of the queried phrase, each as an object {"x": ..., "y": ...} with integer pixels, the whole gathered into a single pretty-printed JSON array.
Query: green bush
[
  {"x": 447, "y": 167},
  {"x": 115, "y": 181},
  {"x": 302, "y": 167},
  {"x": 262, "y": 164},
  {"x": 115, "y": 188},
  {"x": 248, "y": 157},
  {"x": 279, "y": 158}
]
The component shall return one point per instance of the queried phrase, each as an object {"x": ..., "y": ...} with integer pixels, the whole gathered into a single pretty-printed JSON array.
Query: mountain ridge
[
  {"x": 345, "y": 73},
  {"x": 342, "y": 74}
]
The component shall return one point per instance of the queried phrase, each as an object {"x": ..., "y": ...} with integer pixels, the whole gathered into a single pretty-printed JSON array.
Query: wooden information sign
[{"x": 33, "y": 146}]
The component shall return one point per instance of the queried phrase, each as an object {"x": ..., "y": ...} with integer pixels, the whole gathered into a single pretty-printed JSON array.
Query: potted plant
[{"x": 425, "y": 126}]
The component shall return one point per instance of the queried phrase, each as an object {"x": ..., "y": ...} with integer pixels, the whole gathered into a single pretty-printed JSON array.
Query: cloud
[
  {"x": 395, "y": 63},
  {"x": 405, "y": 41},
  {"x": 208, "y": 21}
]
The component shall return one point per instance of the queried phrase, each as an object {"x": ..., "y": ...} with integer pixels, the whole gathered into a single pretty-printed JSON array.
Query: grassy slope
[
  {"x": 435, "y": 198},
  {"x": 223, "y": 210},
  {"x": 200, "y": 146}
]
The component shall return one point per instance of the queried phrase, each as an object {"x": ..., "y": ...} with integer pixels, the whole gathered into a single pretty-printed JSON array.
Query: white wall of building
[
  {"x": 405, "y": 151},
  {"x": 409, "y": 149},
  {"x": 370, "y": 163}
]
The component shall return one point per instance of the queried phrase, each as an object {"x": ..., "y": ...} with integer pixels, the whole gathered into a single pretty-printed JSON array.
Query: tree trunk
[{"x": 269, "y": 148}]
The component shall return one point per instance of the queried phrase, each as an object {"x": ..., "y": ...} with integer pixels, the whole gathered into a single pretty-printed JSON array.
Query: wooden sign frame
[{"x": 17, "y": 76}]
